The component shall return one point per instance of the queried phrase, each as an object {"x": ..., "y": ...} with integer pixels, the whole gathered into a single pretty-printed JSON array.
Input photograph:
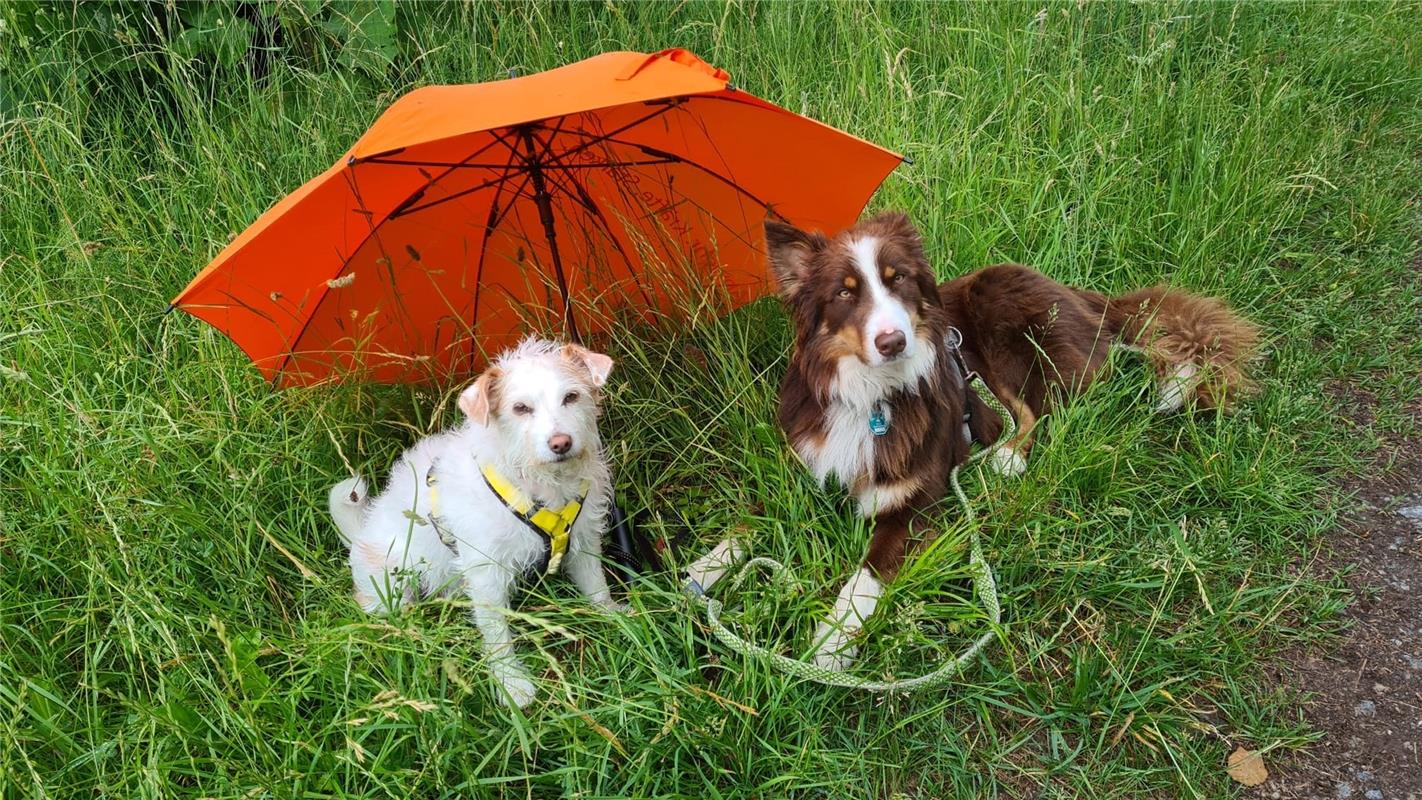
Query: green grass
[{"x": 175, "y": 611}]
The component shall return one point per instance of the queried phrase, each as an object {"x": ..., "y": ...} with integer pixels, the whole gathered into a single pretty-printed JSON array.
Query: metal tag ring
[{"x": 954, "y": 338}]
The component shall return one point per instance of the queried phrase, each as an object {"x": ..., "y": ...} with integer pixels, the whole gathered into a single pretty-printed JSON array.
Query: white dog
[{"x": 520, "y": 487}]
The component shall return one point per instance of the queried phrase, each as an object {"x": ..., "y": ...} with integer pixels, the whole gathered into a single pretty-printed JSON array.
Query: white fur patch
[
  {"x": 848, "y": 447},
  {"x": 519, "y": 688},
  {"x": 1175, "y": 387},
  {"x": 879, "y": 499},
  {"x": 347, "y": 501},
  {"x": 886, "y": 312},
  {"x": 856, "y": 603},
  {"x": 710, "y": 568},
  {"x": 1008, "y": 462},
  {"x": 854, "y": 393},
  {"x": 859, "y": 384}
]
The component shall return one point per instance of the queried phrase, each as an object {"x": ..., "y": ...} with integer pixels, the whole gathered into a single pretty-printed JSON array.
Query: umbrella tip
[
  {"x": 907, "y": 160},
  {"x": 513, "y": 72}
]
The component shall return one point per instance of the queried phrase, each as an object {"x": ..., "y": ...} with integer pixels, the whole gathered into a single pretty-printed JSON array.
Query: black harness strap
[{"x": 954, "y": 340}]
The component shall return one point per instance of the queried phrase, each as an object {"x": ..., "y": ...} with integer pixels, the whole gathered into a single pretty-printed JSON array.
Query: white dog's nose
[{"x": 560, "y": 443}]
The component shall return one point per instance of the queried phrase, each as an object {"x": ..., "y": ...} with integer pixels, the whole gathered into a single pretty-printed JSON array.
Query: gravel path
[{"x": 1367, "y": 688}]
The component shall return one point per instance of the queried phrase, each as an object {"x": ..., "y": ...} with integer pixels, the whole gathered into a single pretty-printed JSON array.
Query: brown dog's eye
[
  {"x": 522, "y": 409},
  {"x": 570, "y": 398},
  {"x": 899, "y": 278},
  {"x": 845, "y": 294}
]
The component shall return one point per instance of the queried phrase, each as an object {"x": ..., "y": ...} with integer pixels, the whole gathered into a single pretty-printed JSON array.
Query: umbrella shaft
[{"x": 544, "y": 201}]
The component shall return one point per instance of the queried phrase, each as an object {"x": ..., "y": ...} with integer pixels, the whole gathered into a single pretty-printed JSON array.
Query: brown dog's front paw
[
  {"x": 1008, "y": 462},
  {"x": 835, "y": 652}
]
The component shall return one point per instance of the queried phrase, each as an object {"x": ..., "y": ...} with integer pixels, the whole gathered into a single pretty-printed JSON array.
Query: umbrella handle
[{"x": 629, "y": 553}]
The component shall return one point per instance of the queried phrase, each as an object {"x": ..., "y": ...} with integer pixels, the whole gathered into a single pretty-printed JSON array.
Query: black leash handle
[{"x": 630, "y": 553}]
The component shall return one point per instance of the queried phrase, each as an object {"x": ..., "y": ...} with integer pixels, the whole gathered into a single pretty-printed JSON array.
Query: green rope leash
[{"x": 726, "y": 553}]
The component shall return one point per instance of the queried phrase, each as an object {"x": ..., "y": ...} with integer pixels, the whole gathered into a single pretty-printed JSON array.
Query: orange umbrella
[{"x": 469, "y": 214}]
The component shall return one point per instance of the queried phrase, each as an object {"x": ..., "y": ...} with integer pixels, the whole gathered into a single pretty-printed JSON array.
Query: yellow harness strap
[
  {"x": 444, "y": 535},
  {"x": 554, "y": 526}
]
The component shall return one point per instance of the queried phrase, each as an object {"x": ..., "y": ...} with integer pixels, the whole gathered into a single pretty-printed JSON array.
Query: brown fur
[
  {"x": 481, "y": 400},
  {"x": 1033, "y": 341},
  {"x": 1171, "y": 326}
]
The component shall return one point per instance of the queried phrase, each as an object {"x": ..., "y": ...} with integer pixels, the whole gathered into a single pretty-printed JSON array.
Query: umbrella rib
[
  {"x": 492, "y": 223},
  {"x": 615, "y": 164},
  {"x": 451, "y": 165},
  {"x": 582, "y": 197},
  {"x": 418, "y": 193},
  {"x": 544, "y": 200},
  {"x": 408, "y": 206},
  {"x": 586, "y": 201},
  {"x": 457, "y": 165},
  {"x": 406, "y": 209},
  {"x": 349, "y": 176},
  {"x": 708, "y": 171},
  {"x": 687, "y": 199},
  {"x": 597, "y": 138},
  {"x": 656, "y": 153},
  {"x": 535, "y": 172}
]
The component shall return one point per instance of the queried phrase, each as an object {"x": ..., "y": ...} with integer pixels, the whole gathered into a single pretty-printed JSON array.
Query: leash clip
[{"x": 953, "y": 338}]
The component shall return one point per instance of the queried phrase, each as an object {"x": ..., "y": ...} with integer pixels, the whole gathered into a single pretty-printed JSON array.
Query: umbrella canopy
[{"x": 470, "y": 214}]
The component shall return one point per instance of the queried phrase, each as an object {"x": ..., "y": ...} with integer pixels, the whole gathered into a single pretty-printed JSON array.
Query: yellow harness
[{"x": 553, "y": 526}]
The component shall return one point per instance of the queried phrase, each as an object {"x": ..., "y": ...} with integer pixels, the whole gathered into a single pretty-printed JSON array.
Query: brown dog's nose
[
  {"x": 560, "y": 443},
  {"x": 889, "y": 343}
]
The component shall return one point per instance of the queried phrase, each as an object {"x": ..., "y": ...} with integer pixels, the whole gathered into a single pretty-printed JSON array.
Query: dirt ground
[{"x": 1367, "y": 687}]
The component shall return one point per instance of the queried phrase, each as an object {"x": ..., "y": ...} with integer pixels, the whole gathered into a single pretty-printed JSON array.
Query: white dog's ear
[
  {"x": 480, "y": 399},
  {"x": 597, "y": 364}
]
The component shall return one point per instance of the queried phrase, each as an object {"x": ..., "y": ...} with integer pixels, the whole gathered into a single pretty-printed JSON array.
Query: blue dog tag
[{"x": 878, "y": 423}]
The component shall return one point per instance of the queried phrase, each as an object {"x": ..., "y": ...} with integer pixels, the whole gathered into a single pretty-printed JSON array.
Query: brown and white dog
[{"x": 875, "y": 397}]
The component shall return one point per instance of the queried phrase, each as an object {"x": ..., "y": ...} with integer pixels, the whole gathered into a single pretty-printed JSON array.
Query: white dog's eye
[
  {"x": 845, "y": 294},
  {"x": 522, "y": 409},
  {"x": 571, "y": 398}
]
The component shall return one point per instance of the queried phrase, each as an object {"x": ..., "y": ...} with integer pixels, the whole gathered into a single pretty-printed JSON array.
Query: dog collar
[{"x": 879, "y": 419}]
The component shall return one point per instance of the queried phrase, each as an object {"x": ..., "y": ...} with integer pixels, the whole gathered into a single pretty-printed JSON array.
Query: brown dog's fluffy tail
[{"x": 1198, "y": 346}]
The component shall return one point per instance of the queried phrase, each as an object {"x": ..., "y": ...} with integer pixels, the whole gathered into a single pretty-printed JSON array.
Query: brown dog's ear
[
  {"x": 895, "y": 223},
  {"x": 597, "y": 364},
  {"x": 480, "y": 399},
  {"x": 789, "y": 250}
]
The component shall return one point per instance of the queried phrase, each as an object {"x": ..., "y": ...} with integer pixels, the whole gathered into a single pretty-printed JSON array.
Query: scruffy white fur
[
  {"x": 532, "y": 394},
  {"x": 856, "y": 604}
]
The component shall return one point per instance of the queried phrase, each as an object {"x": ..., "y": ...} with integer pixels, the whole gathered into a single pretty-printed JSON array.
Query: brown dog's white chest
[{"x": 843, "y": 447}]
